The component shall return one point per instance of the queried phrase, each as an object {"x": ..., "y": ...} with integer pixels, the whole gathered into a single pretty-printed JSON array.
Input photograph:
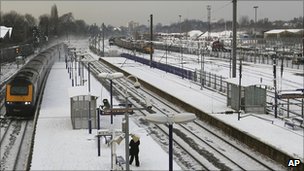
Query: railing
[
  {"x": 215, "y": 82},
  {"x": 206, "y": 79}
]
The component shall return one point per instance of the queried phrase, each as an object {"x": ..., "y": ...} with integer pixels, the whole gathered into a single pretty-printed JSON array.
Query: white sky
[{"x": 118, "y": 13}]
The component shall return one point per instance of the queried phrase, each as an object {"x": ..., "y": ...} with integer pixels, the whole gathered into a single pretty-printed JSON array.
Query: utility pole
[
  {"x": 302, "y": 55},
  {"x": 274, "y": 59},
  {"x": 234, "y": 38},
  {"x": 103, "y": 36},
  {"x": 0, "y": 38},
  {"x": 180, "y": 38},
  {"x": 255, "y": 22},
  {"x": 151, "y": 39},
  {"x": 209, "y": 20}
]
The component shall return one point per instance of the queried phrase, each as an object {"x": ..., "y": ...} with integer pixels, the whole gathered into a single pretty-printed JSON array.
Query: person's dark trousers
[{"x": 136, "y": 159}]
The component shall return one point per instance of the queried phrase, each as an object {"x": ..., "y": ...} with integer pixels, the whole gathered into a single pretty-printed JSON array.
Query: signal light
[{"x": 17, "y": 50}]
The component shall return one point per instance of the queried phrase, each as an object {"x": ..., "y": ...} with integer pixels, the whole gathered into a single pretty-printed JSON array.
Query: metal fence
[
  {"x": 203, "y": 78},
  {"x": 218, "y": 83}
]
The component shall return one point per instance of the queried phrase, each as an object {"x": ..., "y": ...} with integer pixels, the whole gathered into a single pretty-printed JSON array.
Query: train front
[{"x": 19, "y": 98}]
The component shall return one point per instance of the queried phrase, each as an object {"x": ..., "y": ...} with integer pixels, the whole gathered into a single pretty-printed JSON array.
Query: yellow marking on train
[{"x": 18, "y": 98}]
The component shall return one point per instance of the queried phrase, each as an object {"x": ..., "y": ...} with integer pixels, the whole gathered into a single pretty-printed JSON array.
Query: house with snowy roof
[
  {"x": 283, "y": 33},
  {"x": 5, "y": 31}
]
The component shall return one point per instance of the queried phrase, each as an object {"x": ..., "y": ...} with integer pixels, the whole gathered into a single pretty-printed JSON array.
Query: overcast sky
[{"x": 118, "y": 13}]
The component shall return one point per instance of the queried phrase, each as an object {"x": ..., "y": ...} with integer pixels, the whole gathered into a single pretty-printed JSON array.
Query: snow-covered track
[
  {"x": 17, "y": 145},
  {"x": 14, "y": 143},
  {"x": 216, "y": 150},
  {"x": 195, "y": 161},
  {"x": 205, "y": 153}
]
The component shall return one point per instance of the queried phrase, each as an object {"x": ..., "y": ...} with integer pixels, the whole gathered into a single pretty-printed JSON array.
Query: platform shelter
[
  {"x": 80, "y": 103},
  {"x": 253, "y": 95}
]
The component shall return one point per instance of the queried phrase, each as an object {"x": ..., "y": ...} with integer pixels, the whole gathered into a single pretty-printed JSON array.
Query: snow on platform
[{"x": 58, "y": 147}]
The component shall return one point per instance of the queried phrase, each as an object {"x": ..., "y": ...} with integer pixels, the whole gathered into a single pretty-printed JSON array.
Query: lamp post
[
  {"x": 136, "y": 85},
  {"x": 170, "y": 119},
  {"x": 89, "y": 91},
  {"x": 111, "y": 77},
  {"x": 202, "y": 68},
  {"x": 240, "y": 90},
  {"x": 89, "y": 88}
]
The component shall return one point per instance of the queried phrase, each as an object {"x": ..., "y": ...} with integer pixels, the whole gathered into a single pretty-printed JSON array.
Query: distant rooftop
[
  {"x": 277, "y": 31},
  {"x": 4, "y": 30}
]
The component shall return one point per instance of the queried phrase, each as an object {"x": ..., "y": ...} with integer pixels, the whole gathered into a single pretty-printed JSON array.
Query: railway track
[
  {"x": 17, "y": 136},
  {"x": 296, "y": 104},
  {"x": 14, "y": 146},
  {"x": 16, "y": 140},
  {"x": 212, "y": 146},
  {"x": 193, "y": 140}
]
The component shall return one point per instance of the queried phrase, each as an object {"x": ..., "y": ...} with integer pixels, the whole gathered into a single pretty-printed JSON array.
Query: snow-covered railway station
[
  {"x": 190, "y": 95},
  {"x": 59, "y": 146}
]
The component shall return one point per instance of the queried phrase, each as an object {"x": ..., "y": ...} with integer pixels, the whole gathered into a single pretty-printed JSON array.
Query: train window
[{"x": 19, "y": 90}]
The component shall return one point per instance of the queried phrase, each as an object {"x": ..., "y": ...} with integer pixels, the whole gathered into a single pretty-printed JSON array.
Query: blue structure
[{"x": 164, "y": 67}]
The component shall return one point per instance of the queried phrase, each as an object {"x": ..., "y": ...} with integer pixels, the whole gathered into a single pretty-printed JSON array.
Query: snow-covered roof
[
  {"x": 245, "y": 82},
  {"x": 194, "y": 33},
  {"x": 212, "y": 34},
  {"x": 222, "y": 34},
  {"x": 4, "y": 30},
  {"x": 81, "y": 91},
  {"x": 277, "y": 31}
]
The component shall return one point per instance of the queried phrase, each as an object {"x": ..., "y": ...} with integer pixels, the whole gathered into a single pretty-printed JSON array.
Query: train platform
[{"x": 57, "y": 146}]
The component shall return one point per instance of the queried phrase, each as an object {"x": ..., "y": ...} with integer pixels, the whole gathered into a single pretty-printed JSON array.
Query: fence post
[
  {"x": 288, "y": 108},
  {"x": 204, "y": 78},
  {"x": 215, "y": 81},
  {"x": 221, "y": 83},
  {"x": 194, "y": 75},
  {"x": 209, "y": 84}
]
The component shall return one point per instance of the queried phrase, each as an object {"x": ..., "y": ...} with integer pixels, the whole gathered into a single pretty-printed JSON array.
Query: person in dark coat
[{"x": 134, "y": 149}]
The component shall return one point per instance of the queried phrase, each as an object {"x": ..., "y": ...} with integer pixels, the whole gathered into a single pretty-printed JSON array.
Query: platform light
[
  {"x": 136, "y": 84},
  {"x": 170, "y": 119},
  {"x": 111, "y": 76}
]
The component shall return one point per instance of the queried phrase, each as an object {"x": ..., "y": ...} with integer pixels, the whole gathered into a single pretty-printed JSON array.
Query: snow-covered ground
[
  {"x": 59, "y": 147},
  {"x": 280, "y": 136},
  {"x": 213, "y": 103}
]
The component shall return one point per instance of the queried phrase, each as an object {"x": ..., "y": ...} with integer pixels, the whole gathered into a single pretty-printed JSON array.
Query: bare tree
[
  {"x": 44, "y": 24},
  {"x": 244, "y": 21}
]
